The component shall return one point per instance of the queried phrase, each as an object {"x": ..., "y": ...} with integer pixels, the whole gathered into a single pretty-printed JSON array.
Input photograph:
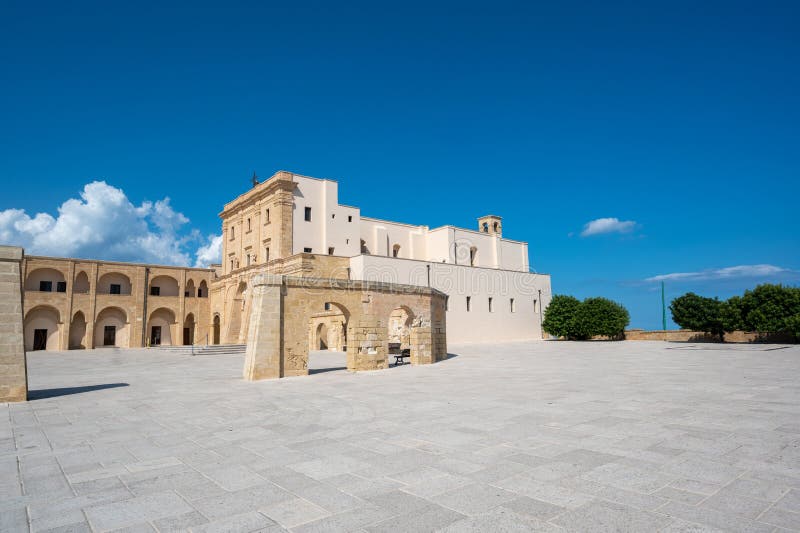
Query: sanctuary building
[{"x": 294, "y": 227}]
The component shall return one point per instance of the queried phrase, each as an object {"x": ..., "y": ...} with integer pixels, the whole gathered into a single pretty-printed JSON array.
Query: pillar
[
  {"x": 263, "y": 356},
  {"x": 13, "y": 369}
]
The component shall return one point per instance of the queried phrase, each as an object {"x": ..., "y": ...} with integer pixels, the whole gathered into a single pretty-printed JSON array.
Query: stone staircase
[{"x": 211, "y": 349}]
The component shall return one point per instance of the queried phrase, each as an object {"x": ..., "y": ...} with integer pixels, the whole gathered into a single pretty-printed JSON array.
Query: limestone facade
[
  {"x": 13, "y": 370},
  {"x": 78, "y": 303}
]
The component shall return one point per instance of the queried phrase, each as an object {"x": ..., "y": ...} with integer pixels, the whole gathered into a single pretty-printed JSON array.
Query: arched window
[
  {"x": 396, "y": 250},
  {"x": 266, "y": 216},
  {"x": 486, "y": 227},
  {"x": 496, "y": 225},
  {"x": 473, "y": 253},
  {"x": 364, "y": 249}
]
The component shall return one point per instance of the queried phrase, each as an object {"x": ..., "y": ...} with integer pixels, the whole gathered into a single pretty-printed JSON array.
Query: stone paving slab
[{"x": 542, "y": 436}]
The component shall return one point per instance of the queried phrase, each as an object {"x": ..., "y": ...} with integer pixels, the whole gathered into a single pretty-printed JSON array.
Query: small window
[
  {"x": 308, "y": 214},
  {"x": 534, "y": 306},
  {"x": 395, "y": 250},
  {"x": 46, "y": 286},
  {"x": 327, "y": 306},
  {"x": 231, "y": 264},
  {"x": 199, "y": 293},
  {"x": 486, "y": 227},
  {"x": 266, "y": 254},
  {"x": 330, "y": 250},
  {"x": 185, "y": 294},
  {"x": 155, "y": 291},
  {"x": 490, "y": 306},
  {"x": 307, "y": 250},
  {"x": 233, "y": 232},
  {"x": 266, "y": 216},
  {"x": 61, "y": 286},
  {"x": 115, "y": 288},
  {"x": 349, "y": 218},
  {"x": 249, "y": 227},
  {"x": 333, "y": 215},
  {"x": 247, "y": 260},
  {"x": 469, "y": 301},
  {"x": 473, "y": 252},
  {"x": 511, "y": 304}
]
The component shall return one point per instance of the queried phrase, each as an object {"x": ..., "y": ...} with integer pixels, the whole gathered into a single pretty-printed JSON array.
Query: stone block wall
[{"x": 13, "y": 369}]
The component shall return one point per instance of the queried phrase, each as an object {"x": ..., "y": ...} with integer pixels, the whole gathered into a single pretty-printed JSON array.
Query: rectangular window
[
  {"x": 155, "y": 291},
  {"x": 233, "y": 232},
  {"x": 247, "y": 260},
  {"x": 308, "y": 214},
  {"x": 46, "y": 286},
  {"x": 469, "y": 301},
  {"x": 266, "y": 254},
  {"x": 266, "y": 216},
  {"x": 490, "y": 305},
  {"x": 511, "y": 303},
  {"x": 61, "y": 286},
  {"x": 349, "y": 218},
  {"x": 249, "y": 227},
  {"x": 330, "y": 250},
  {"x": 199, "y": 293},
  {"x": 307, "y": 250},
  {"x": 534, "y": 306},
  {"x": 327, "y": 306},
  {"x": 185, "y": 294},
  {"x": 115, "y": 288}
]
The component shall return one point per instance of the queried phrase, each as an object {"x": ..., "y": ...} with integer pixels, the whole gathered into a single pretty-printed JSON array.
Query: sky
[{"x": 628, "y": 143}]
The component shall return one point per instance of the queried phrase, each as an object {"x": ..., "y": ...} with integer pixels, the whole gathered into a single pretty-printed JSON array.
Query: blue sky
[{"x": 679, "y": 119}]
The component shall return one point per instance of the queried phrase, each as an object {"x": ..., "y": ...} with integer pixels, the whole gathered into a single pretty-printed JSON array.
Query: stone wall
[
  {"x": 13, "y": 370},
  {"x": 685, "y": 335},
  {"x": 284, "y": 309}
]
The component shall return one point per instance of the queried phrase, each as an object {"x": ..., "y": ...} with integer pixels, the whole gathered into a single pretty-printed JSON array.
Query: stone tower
[{"x": 491, "y": 224}]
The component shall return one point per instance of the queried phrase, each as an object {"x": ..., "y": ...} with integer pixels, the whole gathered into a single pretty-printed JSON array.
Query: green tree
[
  {"x": 770, "y": 308},
  {"x": 731, "y": 314},
  {"x": 558, "y": 315},
  {"x": 599, "y": 317},
  {"x": 698, "y": 313}
]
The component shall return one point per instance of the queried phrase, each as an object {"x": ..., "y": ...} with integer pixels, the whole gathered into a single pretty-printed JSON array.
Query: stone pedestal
[
  {"x": 264, "y": 343},
  {"x": 13, "y": 370},
  {"x": 428, "y": 345}
]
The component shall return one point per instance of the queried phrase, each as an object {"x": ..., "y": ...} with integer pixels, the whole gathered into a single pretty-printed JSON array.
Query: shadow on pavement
[{"x": 41, "y": 394}]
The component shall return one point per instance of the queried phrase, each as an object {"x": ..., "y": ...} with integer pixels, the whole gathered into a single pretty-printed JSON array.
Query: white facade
[{"x": 462, "y": 263}]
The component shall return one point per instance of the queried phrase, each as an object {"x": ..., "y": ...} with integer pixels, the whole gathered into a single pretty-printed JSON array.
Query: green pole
[{"x": 663, "y": 309}]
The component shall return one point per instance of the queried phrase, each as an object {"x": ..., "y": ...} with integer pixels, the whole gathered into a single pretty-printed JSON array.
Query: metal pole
[{"x": 663, "y": 309}]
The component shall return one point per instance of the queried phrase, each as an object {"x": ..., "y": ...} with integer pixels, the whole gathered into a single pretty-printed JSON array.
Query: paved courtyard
[{"x": 547, "y": 436}]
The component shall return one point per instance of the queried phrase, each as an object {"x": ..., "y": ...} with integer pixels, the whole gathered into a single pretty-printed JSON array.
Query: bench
[{"x": 399, "y": 355}]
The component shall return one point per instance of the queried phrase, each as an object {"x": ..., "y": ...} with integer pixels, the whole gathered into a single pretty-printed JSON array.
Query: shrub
[
  {"x": 567, "y": 317},
  {"x": 558, "y": 315},
  {"x": 699, "y": 313}
]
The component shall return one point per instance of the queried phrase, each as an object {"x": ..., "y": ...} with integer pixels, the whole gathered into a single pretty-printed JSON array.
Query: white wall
[
  {"x": 458, "y": 282},
  {"x": 330, "y": 225}
]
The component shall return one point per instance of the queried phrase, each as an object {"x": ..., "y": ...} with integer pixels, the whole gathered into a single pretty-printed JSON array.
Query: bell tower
[{"x": 491, "y": 224}]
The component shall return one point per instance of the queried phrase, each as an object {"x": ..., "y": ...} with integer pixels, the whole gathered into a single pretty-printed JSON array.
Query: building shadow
[
  {"x": 41, "y": 394},
  {"x": 312, "y": 371}
]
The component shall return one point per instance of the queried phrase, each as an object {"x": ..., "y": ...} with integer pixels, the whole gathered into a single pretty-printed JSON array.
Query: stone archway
[
  {"x": 42, "y": 328},
  {"x": 321, "y": 337},
  {"x": 235, "y": 306},
  {"x": 160, "y": 327},
  {"x": 216, "y": 329},
  {"x": 77, "y": 332},
  {"x": 400, "y": 327},
  {"x": 111, "y": 328},
  {"x": 188, "y": 330}
]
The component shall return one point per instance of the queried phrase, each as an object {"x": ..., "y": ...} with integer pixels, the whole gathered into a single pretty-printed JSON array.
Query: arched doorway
[
  {"x": 188, "y": 330},
  {"x": 400, "y": 327},
  {"x": 41, "y": 329},
  {"x": 322, "y": 336},
  {"x": 160, "y": 327},
  {"x": 111, "y": 328},
  {"x": 216, "y": 329},
  {"x": 77, "y": 332},
  {"x": 236, "y": 305}
]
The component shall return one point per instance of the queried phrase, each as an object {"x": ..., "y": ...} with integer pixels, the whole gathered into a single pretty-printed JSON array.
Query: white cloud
[
  {"x": 211, "y": 253},
  {"x": 601, "y": 226},
  {"x": 104, "y": 224},
  {"x": 740, "y": 271}
]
